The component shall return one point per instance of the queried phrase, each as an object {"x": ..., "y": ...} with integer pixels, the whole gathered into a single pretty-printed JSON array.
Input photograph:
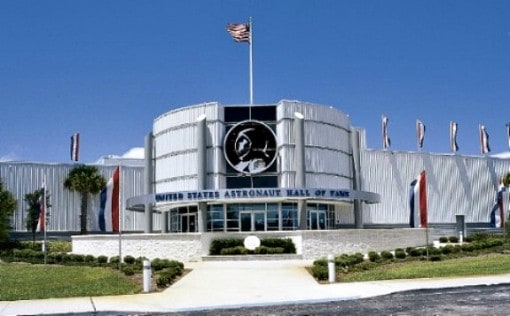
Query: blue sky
[{"x": 107, "y": 69}]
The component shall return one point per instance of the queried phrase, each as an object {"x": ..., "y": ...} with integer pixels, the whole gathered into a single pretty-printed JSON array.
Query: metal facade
[
  {"x": 456, "y": 185},
  {"x": 21, "y": 178}
]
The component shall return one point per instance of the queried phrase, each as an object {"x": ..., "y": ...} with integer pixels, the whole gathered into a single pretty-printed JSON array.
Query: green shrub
[
  {"x": 168, "y": 275},
  {"x": 416, "y": 252},
  {"x": 128, "y": 270},
  {"x": 320, "y": 272},
  {"x": 436, "y": 257},
  {"x": 321, "y": 262},
  {"x": 386, "y": 255},
  {"x": 129, "y": 259},
  {"x": 239, "y": 250},
  {"x": 262, "y": 250},
  {"x": 59, "y": 246},
  {"x": 443, "y": 239},
  {"x": 409, "y": 249},
  {"x": 90, "y": 259},
  {"x": 218, "y": 244},
  {"x": 275, "y": 251},
  {"x": 102, "y": 259},
  {"x": 55, "y": 257},
  {"x": 467, "y": 247},
  {"x": 453, "y": 239},
  {"x": 373, "y": 256},
  {"x": 285, "y": 243},
  {"x": 447, "y": 249},
  {"x": 400, "y": 254}
]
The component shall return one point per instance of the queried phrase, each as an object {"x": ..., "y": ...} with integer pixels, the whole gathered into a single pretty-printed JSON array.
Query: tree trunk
[{"x": 83, "y": 216}]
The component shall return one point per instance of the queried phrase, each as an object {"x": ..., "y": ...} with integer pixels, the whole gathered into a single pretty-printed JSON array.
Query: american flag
[{"x": 240, "y": 32}]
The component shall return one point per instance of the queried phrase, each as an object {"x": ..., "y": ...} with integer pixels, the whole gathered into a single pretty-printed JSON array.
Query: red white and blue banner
[
  {"x": 453, "y": 137},
  {"x": 420, "y": 133},
  {"x": 41, "y": 209},
  {"x": 484, "y": 140},
  {"x": 75, "y": 147},
  {"x": 418, "y": 201},
  {"x": 109, "y": 205},
  {"x": 385, "y": 137},
  {"x": 498, "y": 211}
]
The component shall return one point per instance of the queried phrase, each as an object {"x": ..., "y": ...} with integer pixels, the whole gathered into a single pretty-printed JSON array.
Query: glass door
[
  {"x": 252, "y": 221},
  {"x": 188, "y": 223},
  {"x": 317, "y": 220}
]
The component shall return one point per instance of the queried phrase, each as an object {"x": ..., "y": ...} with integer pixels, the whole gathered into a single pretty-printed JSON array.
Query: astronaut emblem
[{"x": 250, "y": 147}]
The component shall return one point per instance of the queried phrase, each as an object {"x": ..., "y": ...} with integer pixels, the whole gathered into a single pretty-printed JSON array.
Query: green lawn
[
  {"x": 490, "y": 264},
  {"x": 27, "y": 281}
]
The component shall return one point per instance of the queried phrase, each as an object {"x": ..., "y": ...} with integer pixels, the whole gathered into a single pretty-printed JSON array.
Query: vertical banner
[{"x": 75, "y": 146}]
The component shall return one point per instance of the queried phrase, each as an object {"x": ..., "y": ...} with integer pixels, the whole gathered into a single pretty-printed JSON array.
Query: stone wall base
[{"x": 310, "y": 245}]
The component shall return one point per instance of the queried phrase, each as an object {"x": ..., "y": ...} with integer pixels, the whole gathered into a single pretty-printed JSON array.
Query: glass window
[
  {"x": 215, "y": 217},
  {"x": 289, "y": 216},
  {"x": 273, "y": 222},
  {"x": 232, "y": 217}
]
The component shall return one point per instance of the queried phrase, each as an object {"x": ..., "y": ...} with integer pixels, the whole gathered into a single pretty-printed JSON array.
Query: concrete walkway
[{"x": 237, "y": 283}]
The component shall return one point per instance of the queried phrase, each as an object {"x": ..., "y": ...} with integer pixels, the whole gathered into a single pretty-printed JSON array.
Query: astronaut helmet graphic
[{"x": 250, "y": 147}]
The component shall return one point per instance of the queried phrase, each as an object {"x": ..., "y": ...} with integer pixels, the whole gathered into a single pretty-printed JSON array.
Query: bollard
[
  {"x": 461, "y": 238},
  {"x": 331, "y": 269},
  {"x": 147, "y": 274}
]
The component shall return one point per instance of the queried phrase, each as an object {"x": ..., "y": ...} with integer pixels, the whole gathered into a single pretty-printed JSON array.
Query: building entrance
[
  {"x": 317, "y": 220},
  {"x": 252, "y": 221},
  {"x": 188, "y": 223}
]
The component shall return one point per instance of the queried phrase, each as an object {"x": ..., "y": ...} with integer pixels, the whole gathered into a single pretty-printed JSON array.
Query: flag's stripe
[
  {"x": 423, "y": 199},
  {"x": 75, "y": 147},
  {"x": 412, "y": 206},
  {"x": 115, "y": 201},
  {"x": 109, "y": 205},
  {"x": 41, "y": 223},
  {"x": 418, "y": 202},
  {"x": 240, "y": 32}
]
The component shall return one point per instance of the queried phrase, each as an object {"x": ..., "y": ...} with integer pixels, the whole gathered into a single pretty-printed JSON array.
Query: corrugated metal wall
[
  {"x": 456, "y": 185},
  {"x": 328, "y": 153},
  {"x": 21, "y": 178}
]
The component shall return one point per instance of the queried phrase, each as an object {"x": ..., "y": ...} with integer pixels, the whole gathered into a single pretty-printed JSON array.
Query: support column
[
  {"x": 299, "y": 156},
  {"x": 149, "y": 180},
  {"x": 356, "y": 178},
  {"x": 202, "y": 170}
]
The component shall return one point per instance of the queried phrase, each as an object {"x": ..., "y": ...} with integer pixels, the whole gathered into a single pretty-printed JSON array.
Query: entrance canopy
[{"x": 165, "y": 201}]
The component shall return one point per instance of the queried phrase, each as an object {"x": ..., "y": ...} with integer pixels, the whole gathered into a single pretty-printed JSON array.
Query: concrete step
[{"x": 253, "y": 257}]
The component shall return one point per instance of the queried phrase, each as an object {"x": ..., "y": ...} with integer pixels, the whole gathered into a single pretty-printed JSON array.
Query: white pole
[
  {"x": 251, "y": 62},
  {"x": 121, "y": 213},
  {"x": 45, "y": 207}
]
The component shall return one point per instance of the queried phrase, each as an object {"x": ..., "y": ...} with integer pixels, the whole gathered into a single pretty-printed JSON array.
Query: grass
[
  {"x": 27, "y": 281},
  {"x": 490, "y": 264}
]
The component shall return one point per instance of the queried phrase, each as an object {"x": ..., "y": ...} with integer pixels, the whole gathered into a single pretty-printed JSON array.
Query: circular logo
[{"x": 250, "y": 147}]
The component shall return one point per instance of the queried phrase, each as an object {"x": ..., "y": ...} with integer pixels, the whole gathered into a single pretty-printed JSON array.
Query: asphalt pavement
[{"x": 213, "y": 285}]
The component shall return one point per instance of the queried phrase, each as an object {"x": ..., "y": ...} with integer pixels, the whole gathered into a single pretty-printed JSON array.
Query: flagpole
[
  {"x": 121, "y": 206},
  {"x": 45, "y": 206},
  {"x": 251, "y": 62}
]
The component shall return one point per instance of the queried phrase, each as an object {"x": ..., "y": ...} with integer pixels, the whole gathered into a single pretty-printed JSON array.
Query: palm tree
[
  {"x": 506, "y": 179},
  {"x": 85, "y": 180}
]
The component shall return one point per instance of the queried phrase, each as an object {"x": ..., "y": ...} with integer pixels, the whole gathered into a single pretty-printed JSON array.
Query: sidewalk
[{"x": 237, "y": 283}]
